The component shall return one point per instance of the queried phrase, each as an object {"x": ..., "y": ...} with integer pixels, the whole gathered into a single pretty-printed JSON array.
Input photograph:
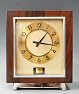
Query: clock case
[{"x": 68, "y": 49}]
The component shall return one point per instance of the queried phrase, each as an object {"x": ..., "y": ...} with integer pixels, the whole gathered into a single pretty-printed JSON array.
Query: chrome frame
[{"x": 39, "y": 76}]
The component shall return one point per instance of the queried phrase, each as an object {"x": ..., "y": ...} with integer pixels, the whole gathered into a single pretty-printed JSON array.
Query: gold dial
[{"x": 39, "y": 43}]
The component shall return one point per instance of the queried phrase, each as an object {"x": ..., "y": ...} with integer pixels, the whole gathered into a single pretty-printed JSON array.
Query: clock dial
[{"x": 40, "y": 44}]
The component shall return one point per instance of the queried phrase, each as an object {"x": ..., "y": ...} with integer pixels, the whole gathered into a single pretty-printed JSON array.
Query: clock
[{"x": 39, "y": 46}]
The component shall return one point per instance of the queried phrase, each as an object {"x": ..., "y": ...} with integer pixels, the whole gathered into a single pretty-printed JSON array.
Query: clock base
[{"x": 18, "y": 86}]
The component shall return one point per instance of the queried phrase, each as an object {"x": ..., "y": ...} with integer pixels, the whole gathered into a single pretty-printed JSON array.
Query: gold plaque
[{"x": 38, "y": 70}]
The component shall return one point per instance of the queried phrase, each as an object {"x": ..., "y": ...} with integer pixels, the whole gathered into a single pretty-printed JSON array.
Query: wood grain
[{"x": 10, "y": 49}]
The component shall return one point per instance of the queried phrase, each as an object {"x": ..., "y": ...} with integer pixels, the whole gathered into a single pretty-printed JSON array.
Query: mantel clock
[{"x": 39, "y": 46}]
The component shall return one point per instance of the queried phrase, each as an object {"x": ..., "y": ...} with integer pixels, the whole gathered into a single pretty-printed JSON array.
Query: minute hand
[
  {"x": 40, "y": 40},
  {"x": 44, "y": 43}
]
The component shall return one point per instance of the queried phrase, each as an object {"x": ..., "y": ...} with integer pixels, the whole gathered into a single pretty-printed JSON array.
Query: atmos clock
[{"x": 39, "y": 46}]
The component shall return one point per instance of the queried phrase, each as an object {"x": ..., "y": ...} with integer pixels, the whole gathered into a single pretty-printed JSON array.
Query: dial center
[{"x": 37, "y": 42}]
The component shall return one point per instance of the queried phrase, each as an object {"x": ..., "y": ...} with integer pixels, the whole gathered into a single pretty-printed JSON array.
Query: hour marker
[
  {"x": 47, "y": 57},
  {"x": 55, "y": 42},
  {"x": 30, "y": 27},
  {"x": 30, "y": 57},
  {"x": 47, "y": 27},
  {"x": 54, "y": 33},
  {"x": 39, "y": 60},
  {"x": 23, "y": 34},
  {"x": 54, "y": 51},
  {"x": 20, "y": 42},
  {"x": 38, "y": 25},
  {"x": 23, "y": 51}
]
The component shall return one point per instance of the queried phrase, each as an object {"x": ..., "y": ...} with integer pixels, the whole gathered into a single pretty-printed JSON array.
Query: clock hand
[
  {"x": 40, "y": 40},
  {"x": 43, "y": 43}
]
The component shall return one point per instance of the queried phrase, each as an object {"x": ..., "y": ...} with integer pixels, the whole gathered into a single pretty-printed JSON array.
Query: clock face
[{"x": 39, "y": 43}]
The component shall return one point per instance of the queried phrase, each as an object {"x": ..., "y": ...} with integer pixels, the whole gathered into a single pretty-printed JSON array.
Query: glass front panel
[{"x": 39, "y": 46}]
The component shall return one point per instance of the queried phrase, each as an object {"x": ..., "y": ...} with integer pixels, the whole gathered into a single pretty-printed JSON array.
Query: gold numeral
[
  {"x": 54, "y": 33},
  {"x": 30, "y": 27},
  {"x": 47, "y": 57},
  {"x": 30, "y": 57},
  {"x": 39, "y": 60},
  {"x": 20, "y": 42},
  {"x": 47, "y": 27},
  {"x": 54, "y": 51},
  {"x": 55, "y": 42},
  {"x": 23, "y": 34},
  {"x": 39, "y": 25},
  {"x": 23, "y": 51}
]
